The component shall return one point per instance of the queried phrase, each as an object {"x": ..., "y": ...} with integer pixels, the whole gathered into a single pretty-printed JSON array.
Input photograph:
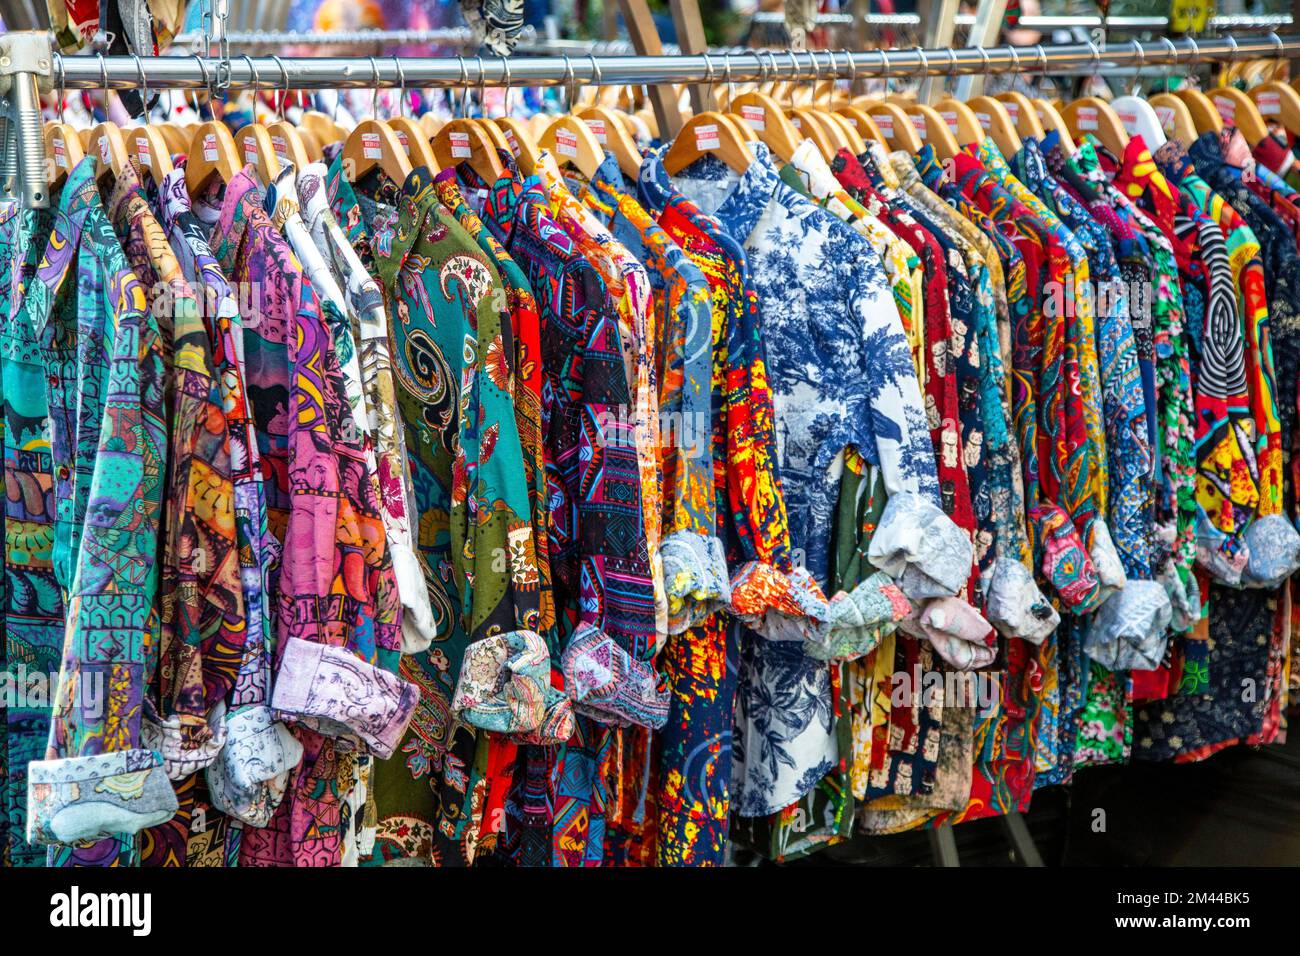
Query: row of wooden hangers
[
  {"x": 395, "y": 145},
  {"x": 608, "y": 121},
  {"x": 899, "y": 122}
]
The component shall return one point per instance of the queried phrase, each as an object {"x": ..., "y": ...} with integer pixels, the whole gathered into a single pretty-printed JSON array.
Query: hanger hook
[
  {"x": 1141, "y": 55},
  {"x": 726, "y": 72},
  {"x": 1096, "y": 56},
  {"x": 1196, "y": 51},
  {"x": 374, "y": 94},
  {"x": 63, "y": 79},
  {"x": 284, "y": 74},
  {"x": 853, "y": 72},
  {"x": 482, "y": 85},
  {"x": 1232, "y": 54},
  {"x": 1173, "y": 62},
  {"x": 596, "y": 71},
  {"x": 1042, "y": 61},
  {"x": 1015, "y": 58},
  {"x": 401, "y": 85},
  {"x": 1277, "y": 53},
  {"x": 885, "y": 68},
  {"x": 505, "y": 99},
  {"x": 925, "y": 60},
  {"x": 144, "y": 86},
  {"x": 835, "y": 70},
  {"x": 464, "y": 83},
  {"x": 257, "y": 81},
  {"x": 571, "y": 79},
  {"x": 207, "y": 83},
  {"x": 103, "y": 71},
  {"x": 985, "y": 61},
  {"x": 952, "y": 63}
]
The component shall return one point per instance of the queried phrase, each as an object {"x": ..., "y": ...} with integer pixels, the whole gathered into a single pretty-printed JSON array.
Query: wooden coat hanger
[
  {"x": 64, "y": 150},
  {"x": 212, "y": 153},
  {"x": 1240, "y": 110},
  {"x": 520, "y": 142},
  {"x": 961, "y": 120},
  {"x": 992, "y": 114},
  {"x": 372, "y": 144},
  {"x": 1280, "y": 103},
  {"x": 177, "y": 139},
  {"x": 289, "y": 143},
  {"x": 1051, "y": 119},
  {"x": 610, "y": 132},
  {"x": 145, "y": 144},
  {"x": 494, "y": 133},
  {"x": 854, "y": 140},
  {"x": 414, "y": 143},
  {"x": 254, "y": 144},
  {"x": 1175, "y": 117},
  {"x": 1205, "y": 116},
  {"x": 571, "y": 140},
  {"x": 109, "y": 149},
  {"x": 743, "y": 130},
  {"x": 430, "y": 124},
  {"x": 896, "y": 127},
  {"x": 931, "y": 127},
  {"x": 861, "y": 121},
  {"x": 767, "y": 120},
  {"x": 708, "y": 133},
  {"x": 322, "y": 127},
  {"x": 461, "y": 140},
  {"x": 1089, "y": 114},
  {"x": 810, "y": 126},
  {"x": 1023, "y": 115}
]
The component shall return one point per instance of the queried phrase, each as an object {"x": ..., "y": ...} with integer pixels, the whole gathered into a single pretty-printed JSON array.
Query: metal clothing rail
[
  {"x": 1238, "y": 21},
  {"x": 26, "y": 64},
  {"x": 277, "y": 38},
  {"x": 245, "y": 72}
]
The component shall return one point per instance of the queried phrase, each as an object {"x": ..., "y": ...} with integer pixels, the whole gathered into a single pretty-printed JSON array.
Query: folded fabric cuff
[
  {"x": 958, "y": 633},
  {"x": 418, "y": 628},
  {"x": 921, "y": 548},
  {"x": 695, "y": 578},
  {"x": 95, "y": 797},
  {"x": 1105, "y": 558},
  {"x": 336, "y": 693},
  {"x": 607, "y": 684},
  {"x": 1224, "y": 557},
  {"x": 248, "y": 779},
  {"x": 777, "y": 605},
  {"x": 557, "y": 724},
  {"x": 860, "y": 619},
  {"x": 504, "y": 682},
  {"x": 184, "y": 750},
  {"x": 1014, "y": 604},
  {"x": 1130, "y": 630},
  {"x": 1274, "y": 552},
  {"x": 1065, "y": 562}
]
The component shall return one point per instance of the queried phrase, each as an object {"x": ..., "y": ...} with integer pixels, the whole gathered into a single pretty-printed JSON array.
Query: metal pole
[{"x": 430, "y": 72}]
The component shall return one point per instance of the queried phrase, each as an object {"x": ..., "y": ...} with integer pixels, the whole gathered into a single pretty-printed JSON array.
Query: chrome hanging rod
[
  {"x": 181, "y": 72},
  {"x": 1238, "y": 21}
]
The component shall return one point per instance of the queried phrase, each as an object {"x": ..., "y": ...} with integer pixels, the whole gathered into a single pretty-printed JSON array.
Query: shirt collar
[{"x": 744, "y": 206}]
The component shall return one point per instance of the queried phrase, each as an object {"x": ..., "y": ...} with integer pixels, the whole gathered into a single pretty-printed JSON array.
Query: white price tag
[
  {"x": 1165, "y": 114},
  {"x": 950, "y": 118},
  {"x": 1129, "y": 119},
  {"x": 1087, "y": 117},
  {"x": 282, "y": 150},
  {"x": 250, "y": 150},
  {"x": 985, "y": 120},
  {"x": 370, "y": 146},
  {"x": 755, "y": 116},
  {"x": 459, "y": 145},
  {"x": 142, "y": 153},
  {"x": 706, "y": 137},
  {"x": 566, "y": 143},
  {"x": 597, "y": 127},
  {"x": 405, "y": 141},
  {"x": 60, "y": 152},
  {"x": 1269, "y": 103},
  {"x": 210, "y": 147},
  {"x": 1227, "y": 108},
  {"x": 918, "y": 123},
  {"x": 886, "y": 123}
]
